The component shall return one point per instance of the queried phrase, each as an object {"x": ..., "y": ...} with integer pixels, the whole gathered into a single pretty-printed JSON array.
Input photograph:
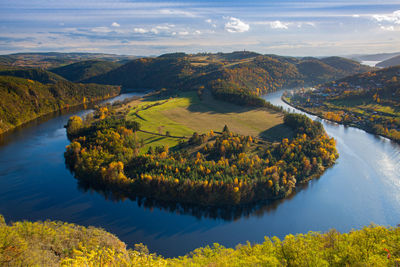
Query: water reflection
[
  {"x": 80, "y": 110},
  {"x": 21, "y": 130},
  {"x": 226, "y": 213}
]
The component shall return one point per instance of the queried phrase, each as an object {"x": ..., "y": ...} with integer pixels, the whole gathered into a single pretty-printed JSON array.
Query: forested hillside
[
  {"x": 369, "y": 100},
  {"x": 240, "y": 73},
  {"x": 56, "y": 243},
  {"x": 394, "y": 61},
  {"x": 39, "y": 75},
  {"x": 238, "y": 77},
  {"x": 39, "y": 92},
  {"x": 149, "y": 73},
  {"x": 83, "y": 70},
  {"x": 373, "y": 57}
]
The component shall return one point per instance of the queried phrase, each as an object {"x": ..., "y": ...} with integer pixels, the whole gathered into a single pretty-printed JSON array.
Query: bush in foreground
[{"x": 56, "y": 243}]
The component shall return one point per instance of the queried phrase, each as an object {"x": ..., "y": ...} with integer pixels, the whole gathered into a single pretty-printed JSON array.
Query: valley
[
  {"x": 199, "y": 133},
  {"x": 175, "y": 127}
]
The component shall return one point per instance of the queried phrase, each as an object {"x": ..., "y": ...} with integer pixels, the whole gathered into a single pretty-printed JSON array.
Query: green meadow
[{"x": 181, "y": 116}]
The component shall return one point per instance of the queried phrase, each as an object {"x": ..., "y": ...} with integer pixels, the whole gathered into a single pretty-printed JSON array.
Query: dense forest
[
  {"x": 238, "y": 77},
  {"x": 53, "y": 243},
  {"x": 370, "y": 101},
  {"x": 213, "y": 168},
  {"x": 26, "y": 94},
  {"x": 83, "y": 70},
  {"x": 38, "y": 75}
]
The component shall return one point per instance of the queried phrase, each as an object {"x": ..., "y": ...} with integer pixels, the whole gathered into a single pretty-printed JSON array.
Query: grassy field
[
  {"x": 365, "y": 106},
  {"x": 183, "y": 115}
]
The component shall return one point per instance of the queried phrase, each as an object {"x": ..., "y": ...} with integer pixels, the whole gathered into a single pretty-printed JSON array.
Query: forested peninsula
[{"x": 140, "y": 148}]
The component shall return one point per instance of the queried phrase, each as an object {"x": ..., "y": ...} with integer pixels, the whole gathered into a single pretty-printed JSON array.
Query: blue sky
[{"x": 298, "y": 28}]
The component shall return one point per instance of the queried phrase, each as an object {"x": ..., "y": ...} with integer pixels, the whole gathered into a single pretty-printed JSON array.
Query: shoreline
[
  {"x": 347, "y": 125},
  {"x": 9, "y": 130}
]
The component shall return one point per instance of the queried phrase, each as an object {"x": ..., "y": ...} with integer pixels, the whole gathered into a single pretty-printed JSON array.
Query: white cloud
[
  {"x": 211, "y": 22},
  {"x": 197, "y": 32},
  {"x": 140, "y": 30},
  {"x": 285, "y": 25},
  {"x": 300, "y": 24},
  {"x": 115, "y": 24},
  {"x": 279, "y": 25},
  {"x": 311, "y": 24},
  {"x": 177, "y": 13},
  {"x": 387, "y": 28},
  {"x": 101, "y": 29},
  {"x": 236, "y": 25},
  {"x": 356, "y": 16},
  {"x": 163, "y": 27},
  {"x": 183, "y": 33},
  {"x": 390, "y": 18}
]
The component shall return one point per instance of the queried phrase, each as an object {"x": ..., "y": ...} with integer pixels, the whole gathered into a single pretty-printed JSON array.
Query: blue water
[{"x": 363, "y": 187}]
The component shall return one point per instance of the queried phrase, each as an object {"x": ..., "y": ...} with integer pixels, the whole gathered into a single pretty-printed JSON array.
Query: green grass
[
  {"x": 155, "y": 140},
  {"x": 363, "y": 106},
  {"x": 183, "y": 115},
  {"x": 387, "y": 109}
]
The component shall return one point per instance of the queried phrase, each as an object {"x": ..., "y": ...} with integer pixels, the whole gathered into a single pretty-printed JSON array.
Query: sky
[{"x": 143, "y": 28}]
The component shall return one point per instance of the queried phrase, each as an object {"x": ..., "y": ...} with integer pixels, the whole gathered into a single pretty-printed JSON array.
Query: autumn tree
[{"x": 74, "y": 124}]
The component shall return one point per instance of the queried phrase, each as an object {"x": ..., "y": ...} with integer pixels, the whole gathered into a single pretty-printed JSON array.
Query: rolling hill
[
  {"x": 83, "y": 70},
  {"x": 373, "y": 57},
  {"x": 26, "y": 94},
  {"x": 243, "y": 71},
  {"x": 147, "y": 73},
  {"x": 387, "y": 79},
  {"x": 370, "y": 101},
  {"x": 238, "y": 77},
  {"x": 49, "y": 60},
  {"x": 394, "y": 61},
  {"x": 39, "y": 75}
]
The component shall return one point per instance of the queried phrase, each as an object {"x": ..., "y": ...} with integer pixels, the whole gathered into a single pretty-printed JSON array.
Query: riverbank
[
  {"x": 318, "y": 114},
  {"x": 24, "y": 99},
  {"x": 74, "y": 106}
]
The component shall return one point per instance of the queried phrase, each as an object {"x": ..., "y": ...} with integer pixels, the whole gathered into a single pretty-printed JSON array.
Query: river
[{"x": 362, "y": 188}]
